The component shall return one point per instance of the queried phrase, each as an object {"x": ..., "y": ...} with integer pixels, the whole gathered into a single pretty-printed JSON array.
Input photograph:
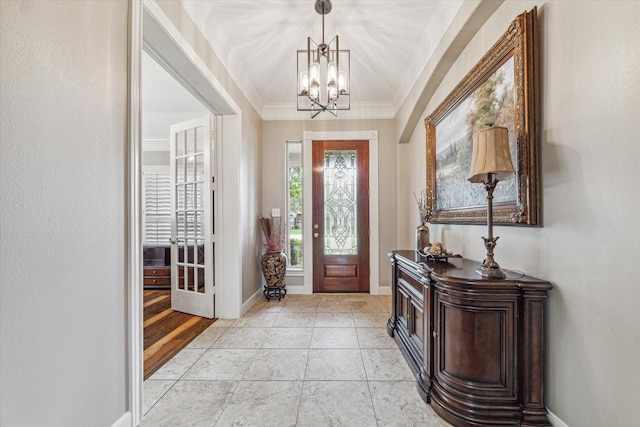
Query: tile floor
[{"x": 308, "y": 360}]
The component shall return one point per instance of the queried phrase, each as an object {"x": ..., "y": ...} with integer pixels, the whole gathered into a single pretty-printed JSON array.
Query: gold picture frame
[{"x": 501, "y": 89}]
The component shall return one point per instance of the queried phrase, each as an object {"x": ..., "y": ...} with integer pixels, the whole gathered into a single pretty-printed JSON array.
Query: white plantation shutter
[{"x": 157, "y": 206}]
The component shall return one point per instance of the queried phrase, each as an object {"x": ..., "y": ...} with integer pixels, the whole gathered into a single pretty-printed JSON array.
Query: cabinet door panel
[
  {"x": 417, "y": 321},
  {"x": 403, "y": 306},
  {"x": 474, "y": 346},
  {"x": 479, "y": 357}
]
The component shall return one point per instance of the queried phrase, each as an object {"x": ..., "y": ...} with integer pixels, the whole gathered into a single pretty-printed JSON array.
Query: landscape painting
[
  {"x": 492, "y": 103},
  {"x": 500, "y": 90}
]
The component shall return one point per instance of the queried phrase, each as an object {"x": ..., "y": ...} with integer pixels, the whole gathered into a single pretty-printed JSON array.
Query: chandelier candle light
[
  {"x": 323, "y": 73},
  {"x": 490, "y": 162}
]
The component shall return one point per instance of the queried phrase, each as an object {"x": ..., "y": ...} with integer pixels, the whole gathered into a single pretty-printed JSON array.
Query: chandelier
[{"x": 323, "y": 73}]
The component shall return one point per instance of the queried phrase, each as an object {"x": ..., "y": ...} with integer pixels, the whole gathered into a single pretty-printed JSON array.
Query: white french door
[{"x": 192, "y": 278}]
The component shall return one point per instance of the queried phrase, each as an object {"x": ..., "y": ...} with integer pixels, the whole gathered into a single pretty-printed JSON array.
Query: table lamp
[{"x": 490, "y": 163}]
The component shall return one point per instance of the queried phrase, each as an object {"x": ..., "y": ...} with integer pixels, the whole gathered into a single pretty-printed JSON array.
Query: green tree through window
[{"x": 294, "y": 203}]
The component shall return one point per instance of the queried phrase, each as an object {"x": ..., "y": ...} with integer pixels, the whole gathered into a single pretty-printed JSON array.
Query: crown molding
[{"x": 358, "y": 111}]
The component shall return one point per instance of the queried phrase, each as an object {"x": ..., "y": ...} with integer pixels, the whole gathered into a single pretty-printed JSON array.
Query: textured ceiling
[{"x": 390, "y": 43}]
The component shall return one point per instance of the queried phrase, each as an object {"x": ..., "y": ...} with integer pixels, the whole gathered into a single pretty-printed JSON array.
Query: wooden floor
[{"x": 166, "y": 332}]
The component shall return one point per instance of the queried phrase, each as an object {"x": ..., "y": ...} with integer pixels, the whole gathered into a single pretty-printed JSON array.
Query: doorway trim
[
  {"x": 134, "y": 221},
  {"x": 171, "y": 49},
  {"x": 307, "y": 203}
]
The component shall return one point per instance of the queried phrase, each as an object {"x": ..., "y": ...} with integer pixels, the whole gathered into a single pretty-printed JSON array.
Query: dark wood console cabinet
[{"x": 476, "y": 345}]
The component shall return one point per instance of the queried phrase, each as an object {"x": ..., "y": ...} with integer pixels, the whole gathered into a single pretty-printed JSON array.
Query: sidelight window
[{"x": 294, "y": 204}]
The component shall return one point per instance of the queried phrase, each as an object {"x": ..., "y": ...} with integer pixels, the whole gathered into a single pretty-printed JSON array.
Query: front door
[
  {"x": 192, "y": 289},
  {"x": 340, "y": 216}
]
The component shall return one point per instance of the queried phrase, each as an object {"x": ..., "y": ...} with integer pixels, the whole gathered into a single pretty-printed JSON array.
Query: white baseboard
[
  {"x": 555, "y": 421},
  {"x": 252, "y": 300},
  {"x": 298, "y": 290},
  {"x": 384, "y": 290},
  {"x": 126, "y": 420}
]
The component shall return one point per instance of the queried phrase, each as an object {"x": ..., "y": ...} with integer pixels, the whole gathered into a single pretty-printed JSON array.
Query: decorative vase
[
  {"x": 422, "y": 237},
  {"x": 274, "y": 267}
]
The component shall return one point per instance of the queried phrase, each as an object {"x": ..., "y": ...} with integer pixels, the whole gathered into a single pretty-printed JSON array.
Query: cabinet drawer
[
  {"x": 157, "y": 271},
  {"x": 155, "y": 280},
  {"x": 410, "y": 281}
]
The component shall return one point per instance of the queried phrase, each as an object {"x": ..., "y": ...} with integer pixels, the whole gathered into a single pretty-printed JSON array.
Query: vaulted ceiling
[{"x": 390, "y": 43}]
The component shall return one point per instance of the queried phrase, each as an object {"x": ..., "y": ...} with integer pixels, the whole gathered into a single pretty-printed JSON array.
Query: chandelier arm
[
  {"x": 309, "y": 63},
  {"x": 323, "y": 107},
  {"x": 337, "y": 66}
]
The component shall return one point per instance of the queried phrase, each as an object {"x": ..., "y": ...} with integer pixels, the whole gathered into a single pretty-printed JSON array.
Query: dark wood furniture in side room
[
  {"x": 476, "y": 345},
  {"x": 157, "y": 266}
]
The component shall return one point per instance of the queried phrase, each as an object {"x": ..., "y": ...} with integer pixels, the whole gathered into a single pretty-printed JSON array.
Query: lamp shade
[{"x": 491, "y": 155}]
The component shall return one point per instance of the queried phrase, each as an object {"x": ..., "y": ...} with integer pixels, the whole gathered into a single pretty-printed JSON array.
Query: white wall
[
  {"x": 590, "y": 98},
  {"x": 63, "y": 115}
]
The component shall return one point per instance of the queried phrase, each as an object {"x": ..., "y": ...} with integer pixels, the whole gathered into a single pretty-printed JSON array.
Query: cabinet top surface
[{"x": 464, "y": 270}]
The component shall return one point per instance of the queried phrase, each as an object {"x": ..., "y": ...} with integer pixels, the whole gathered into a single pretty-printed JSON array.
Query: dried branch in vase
[
  {"x": 273, "y": 231},
  {"x": 423, "y": 209}
]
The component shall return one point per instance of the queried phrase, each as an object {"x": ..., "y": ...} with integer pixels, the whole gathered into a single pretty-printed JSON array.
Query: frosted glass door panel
[{"x": 340, "y": 202}]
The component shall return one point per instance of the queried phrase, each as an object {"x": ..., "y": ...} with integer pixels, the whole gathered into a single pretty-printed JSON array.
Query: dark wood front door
[{"x": 340, "y": 216}]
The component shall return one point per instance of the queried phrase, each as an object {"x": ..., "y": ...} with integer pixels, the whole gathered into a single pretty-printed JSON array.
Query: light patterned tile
[
  {"x": 264, "y": 306},
  {"x": 309, "y": 306},
  {"x": 287, "y": 338},
  {"x": 256, "y": 320},
  {"x": 336, "y": 403},
  {"x": 294, "y": 320},
  {"x": 367, "y": 307},
  {"x": 334, "y": 307},
  {"x": 192, "y": 403},
  {"x": 386, "y": 365},
  {"x": 375, "y": 338},
  {"x": 371, "y": 320},
  {"x": 206, "y": 338},
  {"x": 302, "y": 297},
  {"x": 241, "y": 338},
  {"x": 152, "y": 391},
  {"x": 397, "y": 403},
  {"x": 359, "y": 297},
  {"x": 262, "y": 403},
  {"x": 221, "y": 364},
  {"x": 333, "y": 298},
  {"x": 334, "y": 338},
  {"x": 335, "y": 364},
  {"x": 334, "y": 320},
  {"x": 223, "y": 323},
  {"x": 178, "y": 364},
  {"x": 278, "y": 365}
]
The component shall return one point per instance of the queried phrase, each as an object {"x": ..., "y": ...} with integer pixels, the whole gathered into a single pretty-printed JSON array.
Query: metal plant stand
[{"x": 274, "y": 292}]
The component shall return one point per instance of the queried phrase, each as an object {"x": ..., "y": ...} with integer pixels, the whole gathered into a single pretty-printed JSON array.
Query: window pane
[
  {"x": 157, "y": 206},
  {"x": 294, "y": 183}
]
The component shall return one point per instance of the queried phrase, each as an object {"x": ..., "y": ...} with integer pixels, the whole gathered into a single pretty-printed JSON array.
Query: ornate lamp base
[
  {"x": 489, "y": 267},
  {"x": 490, "y": 272}
]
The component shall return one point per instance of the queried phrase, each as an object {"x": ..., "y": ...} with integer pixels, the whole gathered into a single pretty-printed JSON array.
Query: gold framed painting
[{"x": 501, "y": 90}]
